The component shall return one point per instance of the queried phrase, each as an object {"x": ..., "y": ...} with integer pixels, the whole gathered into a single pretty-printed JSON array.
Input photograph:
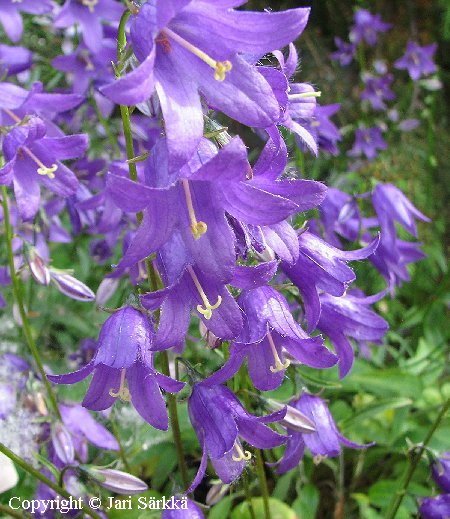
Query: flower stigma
[
  {"x": 279, "y": 366},
  {"x": 123, "y": 392},
  {"x": 241, "y": 454},
  {"x": 303, "y": 95},
  {"x": 90, "y": 4},
  {"x": 206, "y": 311},
  {"x": 220, "y": 67},
  {"x": 198, "y": 229}
]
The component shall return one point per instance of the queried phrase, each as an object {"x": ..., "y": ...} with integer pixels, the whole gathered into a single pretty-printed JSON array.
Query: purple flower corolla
[
  {"x": 191, "y": 47},
  {"x": 378, "y": 90},
  {"x": 220, "y": 421},
  {"x": 187, "y": 510},
  {"x": 14, "y": 59},
  {"x": 89, "y": 14},
  {"x": 435, "y": 507},
  {"x": 11, "y": 19},
  {"x": 85, "y": 67},
  {"x": 367, "y": 26},
  {"x": 269, "y": 332},
  {"x": 417, "y": 60},
  {"x": 323, "y": 130},
  {"x": 441, "y": 472},
  {"x": 123, "y": 368},
  {"x": 345, "y": 52},
  {"x": 367, "y": 142},
  {"x": 391, "y": 206},
  {"x": 350, "y": 316},
  {"x": 32, "y": 158},
  {"x": 116, "y": 480},
  {"x": 321, "y": 266},
  {"x": 323, "y": 443}
]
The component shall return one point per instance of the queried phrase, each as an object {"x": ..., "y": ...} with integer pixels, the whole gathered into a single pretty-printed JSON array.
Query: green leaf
[
  {"x": 221, "y": 509},
  {"x": 375, "y": 409},
  {"x": 278, "y": 510},
  {"x": 307, "y": 502}
]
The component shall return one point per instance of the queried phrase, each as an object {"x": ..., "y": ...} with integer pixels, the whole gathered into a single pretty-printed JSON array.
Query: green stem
[
  {"x": 248, "y": 495},
  {"x": 126, "y": 121},
  {"x": 17, "y": 291},
  {"x": 10, "y": 511},
  {"x": 413, "y": 463},
  {"x": 175, "y": 424},
  {"x": 38, "y": 475},
  {"x": 263, "y": 483},
  {"x": 104, "y": 122}
]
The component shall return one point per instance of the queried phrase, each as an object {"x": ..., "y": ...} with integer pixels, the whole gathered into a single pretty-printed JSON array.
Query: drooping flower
[
  {"x": 441, "y": 471},
  {"x": 378, "y": 90},
  {"x": 435, "y": 507},
  {"x": 220, "y": 421},
  {"x": 367, "y": 142},
  {"x": 195, "y": 46},
  {"x": 123, "y": 368},
  {"x": 321, "y": 266},
  {"x": 417, "y": 60},
  {"x": 367, "y": 26},
  {"x": 350, "y": 316},
  {"x": 324, "y": 442},
  {"x": 11, "y": 19}
]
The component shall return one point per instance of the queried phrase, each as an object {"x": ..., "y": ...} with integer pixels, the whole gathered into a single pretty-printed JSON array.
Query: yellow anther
[
  {"x": 90, "y": 4},
  {"x": 279, "y": 366},
  {"x": 207, "y": 309},
  {"x": 123, "y": 392},
  {"x": 241, "y": 455},
  {"x": 198, "y": 228},
  {"x": 220, "y": 67},
  {"x": 50, "y": 172}
]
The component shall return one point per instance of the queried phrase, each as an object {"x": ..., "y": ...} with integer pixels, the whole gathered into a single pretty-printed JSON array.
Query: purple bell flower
[
  {"x": 123, "y": 368},
  {"x": 194, "y": 46},
  {"x": 367, "y": 142},
  {"x": 324, "y": 442},
  {"x": 220, "y": 421},
  {"x": 345, "y": 52},
  {"x": 435, "y": 507},
  {"x": 14, "y": 59},
  {"x": 349, "y": 316},
  {"x": 367, "y": 26},
  {"x": 378, "y": 90},
  {"x": 417, "y": 60},
  {"x": 321, "y": 266},
  {"x": 324, "y": 131},
  {"x": 11, "y": 19},
  {"x": 441, "y": 472}
]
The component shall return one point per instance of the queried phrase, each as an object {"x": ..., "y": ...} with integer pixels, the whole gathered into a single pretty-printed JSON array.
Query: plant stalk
[
  {"x": 413, "y": 463},
  {"x": 263, "y": 482},
  {"x": 17, "y": 291}
]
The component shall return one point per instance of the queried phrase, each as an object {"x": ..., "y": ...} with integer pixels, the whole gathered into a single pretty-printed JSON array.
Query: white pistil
[
  {"x": 90, "y": 4},
  {"x": 197, "y": 228},
  {"x": 241, "y": 454},
  {"x": 303, "y": 95},
  {"x": 279, "y": 366},
  {"x": 206, "y": 311},
  {"x": 220, "y": 67},
  {"x": 123, "y": 392}
]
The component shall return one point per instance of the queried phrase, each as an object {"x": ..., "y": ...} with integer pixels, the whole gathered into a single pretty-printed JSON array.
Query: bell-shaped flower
[
  {"x": 324, "y": 442},
  {"x": 269, "y": 332},
  {"x": 123, "y": 368},
  {"x": 32, "y": 158},
  {"x": 367, "y": 142},
  {"x": 350, "y": 316},
  {"x": 378, "y": 90},
  {"x": 89, "y": 14},
  {"x": 191, "y": 47},
  {"x": 11, "y": 19},
  {"x": 14, "y": 59},
  {"x": 220, "y": 422},
  {"x": 116, "y": 480},
  {"x": 417, "y": 60},
  {"x": 367, "y": 26},
  {"x": 435, "y": 507},
  {"x": 321, "y": 266}
]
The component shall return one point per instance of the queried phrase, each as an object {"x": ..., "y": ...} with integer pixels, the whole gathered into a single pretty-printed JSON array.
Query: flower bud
[
  {"x": 294, "y": 419},
  {"x": 106, "y": 290},
  {"x": 62, "y": 443},
  {"x": 116, "y": 480},
  {"x": 72, "y": 287},
  {"x": 38, "y": 268},
  {"x": 216, "y": 493}
]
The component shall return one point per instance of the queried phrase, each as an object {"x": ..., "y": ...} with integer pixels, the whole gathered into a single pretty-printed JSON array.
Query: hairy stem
[
  {"x": 413, "y": 463},
  {"x": 18, "y": 296},
  {"x": 38, "y": 475},
  {"x": 263, "y": 482}
]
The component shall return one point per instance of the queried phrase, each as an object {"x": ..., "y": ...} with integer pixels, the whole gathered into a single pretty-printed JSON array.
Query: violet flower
[
  {"x": 187, "y": 510},
  {"x": 417, "y": 60},
  {"x": 323, "y": 443},
  {"x": 441, "y": 471},
  {"x": 321, "y": 266},
  {"x": 12, "y": 20},
  {"x": 367, "y": 26},
  {"x": 89, "y": 14},
  {"x": 123, "y": 368},
  {"x": 14, "y": 59},
  {"x": 201, "y": 46},
  {"x": 345, "y": 52},
  {"x": 350, "y": 316},
  {"x": 367, "y": 142},
  {"x": 435, "y": 507},
  {"x": 220, "y": 421},
  {"x": 378, "y": 90},
  {"x": 323, "y": 130}
]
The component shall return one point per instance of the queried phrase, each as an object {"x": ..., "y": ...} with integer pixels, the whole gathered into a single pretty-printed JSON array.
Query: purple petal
[
  {"x": 74, "y": 377},
  {"x": 97, "y": 397},
  {"x": 252, "y": 277}
]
